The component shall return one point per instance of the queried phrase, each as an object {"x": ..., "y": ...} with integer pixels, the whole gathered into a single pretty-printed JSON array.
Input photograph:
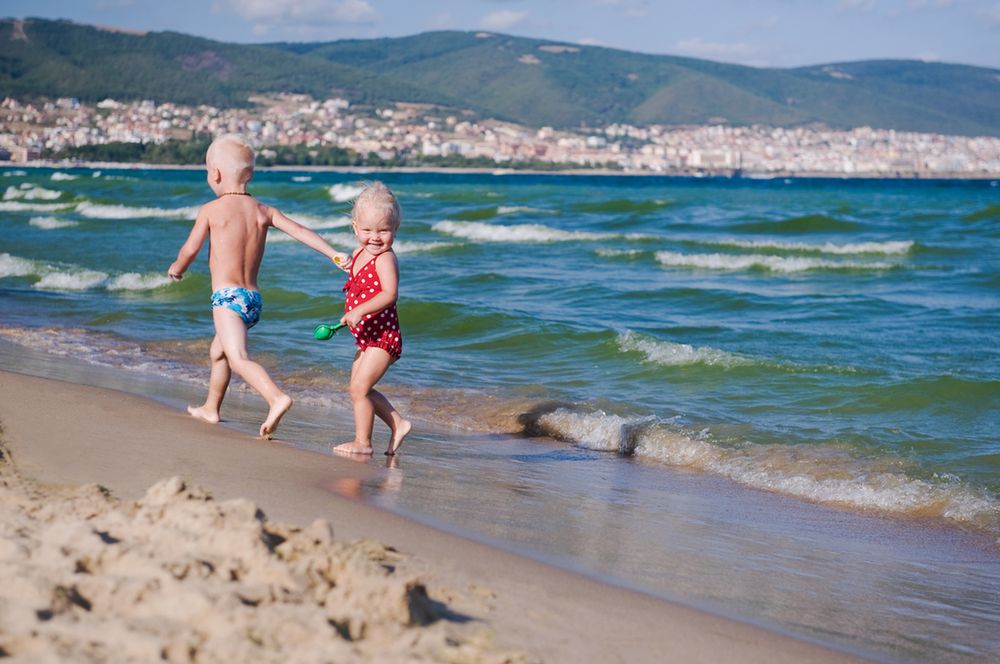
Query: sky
[{"x": 759, "y": 33}]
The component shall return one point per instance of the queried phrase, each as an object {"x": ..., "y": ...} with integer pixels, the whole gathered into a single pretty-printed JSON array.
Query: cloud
[
  {"x": 268, "y": 14},
  {"x": 733, "y": 52},
  {"x": 856, "y": 5},
  {"x": 504, "y": 19}
]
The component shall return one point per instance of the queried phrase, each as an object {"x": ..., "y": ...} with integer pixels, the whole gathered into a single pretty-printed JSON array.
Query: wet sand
[{"x": 387, "y": 589}]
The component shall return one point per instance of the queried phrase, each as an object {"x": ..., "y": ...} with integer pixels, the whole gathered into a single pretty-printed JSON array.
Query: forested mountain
[{"x": 531, "y": 81}]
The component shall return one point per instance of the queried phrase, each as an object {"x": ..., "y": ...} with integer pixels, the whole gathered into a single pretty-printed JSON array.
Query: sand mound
[{"x": 180, "y": 577}]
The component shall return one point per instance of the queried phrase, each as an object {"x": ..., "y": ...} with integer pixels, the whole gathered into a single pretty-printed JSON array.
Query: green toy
[{"x": 324, "y": 331}]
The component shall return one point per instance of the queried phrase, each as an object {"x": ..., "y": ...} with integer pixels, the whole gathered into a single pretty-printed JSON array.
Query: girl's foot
[
  {"x": 398, "y": 434},
  {"x": 202, "y": 414},
  {"x": 353, "y": 447},
  {"x": 278, "y": 409}
]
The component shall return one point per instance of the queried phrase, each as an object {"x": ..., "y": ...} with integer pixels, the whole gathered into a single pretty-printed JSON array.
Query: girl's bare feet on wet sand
[
  {"x": 278, "y": 409},
  {"x": 202, "y": 414},
  {"x": 353, "y": 447},
  {"x": 398, "y": 434}
]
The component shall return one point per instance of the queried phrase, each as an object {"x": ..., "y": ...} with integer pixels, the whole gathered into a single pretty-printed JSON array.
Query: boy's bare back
[{"x": 237, "y": 227}]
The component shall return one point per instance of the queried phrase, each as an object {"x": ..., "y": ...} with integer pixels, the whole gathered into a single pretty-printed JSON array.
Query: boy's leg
[
  {"x": 218, "y": 382},
  {"x": 368, "y": 368},
  {"x": 232, "y": 335}
]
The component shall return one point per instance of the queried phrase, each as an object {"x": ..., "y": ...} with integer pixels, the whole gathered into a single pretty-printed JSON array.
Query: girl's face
[{"x": 374, "y": 230}]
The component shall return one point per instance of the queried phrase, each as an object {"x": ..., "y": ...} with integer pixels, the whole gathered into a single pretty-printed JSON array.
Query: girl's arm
[
  {"x": 388, "y": 275},
  {"x": 191, "y": 247},
  {"x": 310, "y": 238}
]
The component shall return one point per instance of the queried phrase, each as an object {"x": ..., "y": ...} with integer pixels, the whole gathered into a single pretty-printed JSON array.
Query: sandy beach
[{"x": 133, "y": 532}]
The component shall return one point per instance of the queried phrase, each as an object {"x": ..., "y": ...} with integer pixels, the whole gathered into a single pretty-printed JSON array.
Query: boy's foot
[
  {"x": 278, "y": 409},
  {"x": 353, "y": 448},
  {"x": 398, "y": 434},
  {"x": 202, "y": 414}
]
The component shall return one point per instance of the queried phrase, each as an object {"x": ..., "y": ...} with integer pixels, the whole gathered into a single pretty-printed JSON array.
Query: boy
[{"x": 237, "y": 224}]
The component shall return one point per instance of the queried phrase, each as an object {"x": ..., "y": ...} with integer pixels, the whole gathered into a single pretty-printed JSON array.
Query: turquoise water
[{"x": 829, "y": 344}]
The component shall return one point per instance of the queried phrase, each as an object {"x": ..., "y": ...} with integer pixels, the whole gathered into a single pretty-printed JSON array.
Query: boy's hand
[
  {"x": 343, "y": 261},
  {"x": 174, "y": 273}
]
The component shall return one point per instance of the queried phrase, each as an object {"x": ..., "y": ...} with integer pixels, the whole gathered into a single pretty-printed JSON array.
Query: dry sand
[{"x": 107, "y": 554}]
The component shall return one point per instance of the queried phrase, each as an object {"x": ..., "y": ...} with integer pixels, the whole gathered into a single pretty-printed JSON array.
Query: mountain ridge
[{"x": 530, "y": 81}]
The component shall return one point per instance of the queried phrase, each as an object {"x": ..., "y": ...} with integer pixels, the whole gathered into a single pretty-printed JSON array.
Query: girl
[{"x": 371, "y": 315}]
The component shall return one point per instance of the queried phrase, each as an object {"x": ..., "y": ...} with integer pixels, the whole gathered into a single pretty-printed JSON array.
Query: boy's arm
[
  {"x": 388, "y": 275},
  {"x": 191, "y": 247},
  {"x": 310, "y": 238}
]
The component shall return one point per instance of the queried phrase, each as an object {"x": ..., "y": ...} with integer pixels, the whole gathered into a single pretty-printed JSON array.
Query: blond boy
[{"x": 237, "y": 225}]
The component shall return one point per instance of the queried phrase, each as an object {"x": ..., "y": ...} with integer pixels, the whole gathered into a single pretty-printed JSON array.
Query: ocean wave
[
  {"x": 522, "y": 233},
  {"x": 29, "y": 192},
  {"x": 52, "y": 223},
  {"x": 889, "y": 247},
  {"x": 674, "y": 354},
  {"x": 810, "y": 223},
  {"x": 59, "y": 176},
  {"x": 12, "y": 266},
  {"x": 523, "y": 209},
  {"x": 406, "y": 247},
  {"x": 824, "y": 474},
  {"x": 341, "y": 193},
  {"x": 74, "y": 278},
  {"x": 301, "y": 178},
  {"x": 18, "y": 206},
  {"x": 320, "y": 223},
  {"x": 15, "y": 173},
  {"x": 98, "y": 211},
  {"x": 787, "y": 264}
]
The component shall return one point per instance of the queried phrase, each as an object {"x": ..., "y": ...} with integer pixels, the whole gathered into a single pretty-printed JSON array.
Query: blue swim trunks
[{"x": 247, "y": 303}]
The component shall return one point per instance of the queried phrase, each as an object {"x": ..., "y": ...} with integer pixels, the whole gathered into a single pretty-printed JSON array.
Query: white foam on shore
[
  {"x": 892, "y": 247},
  {"x": 98, "y": 211},
  {"x": 818, "y": 473},
  {"x": 341, "y": 193},
  {"x": 786, "y": 264},
  {"x": 52, "y": 223},
  {"x": 522, "y": 233},
  {"x": 674, "y": 354},
  {"x": 30, "y": 192}
]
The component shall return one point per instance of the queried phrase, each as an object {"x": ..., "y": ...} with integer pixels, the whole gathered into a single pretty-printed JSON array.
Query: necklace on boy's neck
[{"x": 235, "y": 193}]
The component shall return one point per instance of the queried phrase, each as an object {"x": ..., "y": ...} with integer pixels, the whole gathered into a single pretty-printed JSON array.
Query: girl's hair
[
  {"x": 376, "y": 194},
  {"x": 233, "y": 156}
]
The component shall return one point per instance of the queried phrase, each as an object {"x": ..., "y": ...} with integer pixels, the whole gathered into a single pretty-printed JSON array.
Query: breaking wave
[{"x": 787, "y": 264}]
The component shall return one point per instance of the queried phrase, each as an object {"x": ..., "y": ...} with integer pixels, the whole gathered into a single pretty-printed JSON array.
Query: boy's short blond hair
[
  {"x": 377, "y": 195},
  {"x": 233, "y": 156}
]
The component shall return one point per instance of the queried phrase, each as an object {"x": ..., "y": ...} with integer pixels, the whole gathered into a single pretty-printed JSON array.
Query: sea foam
[
  {"x": 820, "y": 473},
  {"x": 29, "y": 192},
  {"x": 98, "y": 211},
  {"x": 52, "y": 223},
  {"x": 675, "y": 354},
  {"x": 342, "y": 193},
  {"x": 521, "y": 233},
  {"x": 890, "y": 247},
  {"x": 787, "y": 264}
]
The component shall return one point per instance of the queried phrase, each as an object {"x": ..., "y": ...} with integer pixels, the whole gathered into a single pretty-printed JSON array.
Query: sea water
[{"x": 774, "y": 398}]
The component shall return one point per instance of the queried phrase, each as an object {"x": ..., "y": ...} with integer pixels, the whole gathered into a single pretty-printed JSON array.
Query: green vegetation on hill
[{"x": 529, "y": 81}]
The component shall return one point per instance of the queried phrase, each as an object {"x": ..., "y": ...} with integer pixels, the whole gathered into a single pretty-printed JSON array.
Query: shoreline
[
  {"x": 500, "y": 171},
  {"x": 127, "y": 443}
]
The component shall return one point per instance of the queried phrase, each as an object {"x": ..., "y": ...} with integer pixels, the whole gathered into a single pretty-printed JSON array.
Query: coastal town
[{"x": 30, "y": 132}]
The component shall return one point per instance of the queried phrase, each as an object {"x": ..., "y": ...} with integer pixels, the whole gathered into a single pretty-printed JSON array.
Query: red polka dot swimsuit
[{"x": 380, "y": 329}]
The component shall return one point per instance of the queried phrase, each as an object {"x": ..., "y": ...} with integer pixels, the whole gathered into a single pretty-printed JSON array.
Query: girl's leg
[{"x": 368, "y": 368}]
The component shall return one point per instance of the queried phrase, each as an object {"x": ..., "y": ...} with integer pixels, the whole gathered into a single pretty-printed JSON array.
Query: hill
[{"x": 530, "y": 81}]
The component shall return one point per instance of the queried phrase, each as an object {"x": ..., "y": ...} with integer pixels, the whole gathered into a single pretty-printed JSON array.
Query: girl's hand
[
  {"x": 343, "y": 261},
  {"x": 351, "y": 318}
]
